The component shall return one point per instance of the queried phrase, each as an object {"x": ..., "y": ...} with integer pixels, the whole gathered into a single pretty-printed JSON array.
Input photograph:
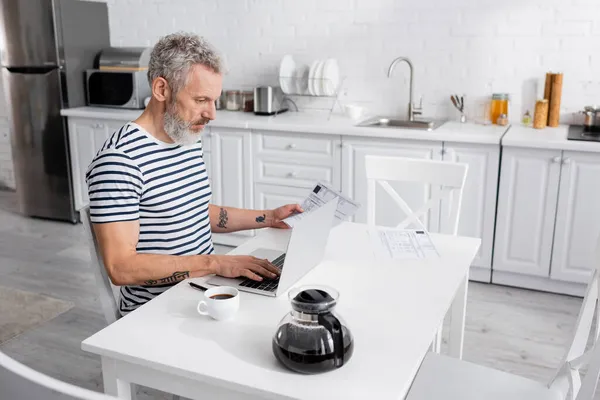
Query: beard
[{"x": 179, "y": 130}]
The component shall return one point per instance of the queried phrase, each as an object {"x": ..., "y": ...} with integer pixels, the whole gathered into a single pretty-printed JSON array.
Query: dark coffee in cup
[{"x": 221, "y": 296}]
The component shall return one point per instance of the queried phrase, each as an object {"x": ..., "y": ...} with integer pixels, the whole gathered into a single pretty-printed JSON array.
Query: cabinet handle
[
  {"x": 291, "y": 174},
  {"x": 98, "y": 126},
  {"x": 566, "y": 161},
  {"x": 556, "y": 160},
  {"x": 291, "y": 146}
]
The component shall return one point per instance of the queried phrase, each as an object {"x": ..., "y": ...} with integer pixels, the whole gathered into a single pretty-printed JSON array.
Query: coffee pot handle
[{"x": 333, "y": 325}]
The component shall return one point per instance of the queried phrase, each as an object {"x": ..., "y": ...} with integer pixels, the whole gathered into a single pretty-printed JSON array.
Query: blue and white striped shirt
[{"x": 134, "y": 176}]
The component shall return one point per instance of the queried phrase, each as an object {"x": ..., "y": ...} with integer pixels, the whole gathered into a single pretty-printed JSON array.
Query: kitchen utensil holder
[{"x": 307, "y": 100}]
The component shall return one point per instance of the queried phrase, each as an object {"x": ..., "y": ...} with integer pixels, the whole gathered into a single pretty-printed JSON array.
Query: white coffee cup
[{"x": 221, "y": 303}]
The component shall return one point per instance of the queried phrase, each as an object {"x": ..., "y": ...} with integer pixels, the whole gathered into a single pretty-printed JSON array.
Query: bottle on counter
[
  {"x": 498, "y": 106},
  {"x": 526, "y": 118}
]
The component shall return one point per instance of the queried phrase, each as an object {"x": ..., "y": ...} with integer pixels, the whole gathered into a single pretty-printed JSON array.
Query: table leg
[
  {"x": 457, "y": 320},
  {"x": 112, "y": 384}
]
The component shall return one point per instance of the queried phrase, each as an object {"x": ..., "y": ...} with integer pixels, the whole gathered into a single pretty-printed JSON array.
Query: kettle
[{"x": 312, "y": 338}]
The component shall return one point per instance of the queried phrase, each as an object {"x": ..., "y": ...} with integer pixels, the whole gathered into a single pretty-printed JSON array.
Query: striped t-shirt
[{"x": 134, "y": 176}]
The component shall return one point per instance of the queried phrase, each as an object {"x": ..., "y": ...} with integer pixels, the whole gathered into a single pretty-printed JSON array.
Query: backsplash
[{"x": 470, "y": 47}]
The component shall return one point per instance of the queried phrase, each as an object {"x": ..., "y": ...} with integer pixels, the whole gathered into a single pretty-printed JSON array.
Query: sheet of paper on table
[
  {"x": 319, "y": 196},
  {"x": 401, "y": 244}
]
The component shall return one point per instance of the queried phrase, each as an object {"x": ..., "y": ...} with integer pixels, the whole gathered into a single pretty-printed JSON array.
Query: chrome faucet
[{"x": 412, "y": 109}]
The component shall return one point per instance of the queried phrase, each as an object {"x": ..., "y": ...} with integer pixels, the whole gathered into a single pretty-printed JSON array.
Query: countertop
[
  {"x": 318, "y": 124},
  {"x": 547, "y": 138}
]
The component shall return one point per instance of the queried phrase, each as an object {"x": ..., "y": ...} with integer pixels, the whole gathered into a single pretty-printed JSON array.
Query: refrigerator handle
[{"x": 32, "y": 70}]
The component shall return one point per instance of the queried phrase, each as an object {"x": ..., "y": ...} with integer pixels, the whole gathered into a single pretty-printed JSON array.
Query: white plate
[
  {"x": 319, "y": 79},
  {"x": 286, "y": 71},
  {"x": 301, "y": 79},
  {"x": 331, "y": 77},
  {"x": 311, "y": 78}
]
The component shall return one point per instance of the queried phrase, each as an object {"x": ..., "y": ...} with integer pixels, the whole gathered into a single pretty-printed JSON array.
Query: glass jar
[
  {"x": 498, "y": 106},
  {"x": 233, "y": 100},
  {"x": 248, "y": 101}
]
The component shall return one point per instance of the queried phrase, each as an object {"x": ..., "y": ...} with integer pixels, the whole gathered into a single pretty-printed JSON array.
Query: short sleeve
[{"x": 115, "y": 185}]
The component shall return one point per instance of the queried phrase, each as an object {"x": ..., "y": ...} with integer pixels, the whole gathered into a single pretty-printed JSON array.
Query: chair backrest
[
  {"x": 448, "y": 176},
  {"x": 17, "y": 381},
  {"x": 108, "y": 293},
  {"x": 567, "y": 378}
]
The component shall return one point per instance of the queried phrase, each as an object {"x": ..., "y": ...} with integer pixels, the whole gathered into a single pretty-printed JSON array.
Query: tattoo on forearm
[
  {"x": 176, "y": 277},
  {"x": 223, "y": 218},
  {"x": 261, "y": 218}
]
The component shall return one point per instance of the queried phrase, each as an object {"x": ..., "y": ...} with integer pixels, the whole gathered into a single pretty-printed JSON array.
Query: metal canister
[{"x": 592, "y": 116}]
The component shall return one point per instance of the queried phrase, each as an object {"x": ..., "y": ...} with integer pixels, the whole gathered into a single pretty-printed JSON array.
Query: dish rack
[{"x": 325, "y": 98}]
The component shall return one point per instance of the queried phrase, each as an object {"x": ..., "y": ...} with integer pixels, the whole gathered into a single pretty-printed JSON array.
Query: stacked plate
[{"x": 321, "y": 79}]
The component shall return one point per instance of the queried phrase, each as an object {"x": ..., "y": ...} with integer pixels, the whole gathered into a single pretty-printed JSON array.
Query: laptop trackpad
[{"x": 268, "y": 254}]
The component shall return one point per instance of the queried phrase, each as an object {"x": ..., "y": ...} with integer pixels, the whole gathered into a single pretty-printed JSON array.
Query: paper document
[
  {"x": 402, "y": 244},
  {"x": 319, "y": 196}
]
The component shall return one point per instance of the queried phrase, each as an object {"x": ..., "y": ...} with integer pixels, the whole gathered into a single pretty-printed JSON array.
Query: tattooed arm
[
  {"x": 229, "y": 219},
  {"x": 125, "y": 266}
]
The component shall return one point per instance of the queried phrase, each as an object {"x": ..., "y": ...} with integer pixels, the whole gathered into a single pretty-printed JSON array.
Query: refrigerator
[{"x": 45, "y": 47}]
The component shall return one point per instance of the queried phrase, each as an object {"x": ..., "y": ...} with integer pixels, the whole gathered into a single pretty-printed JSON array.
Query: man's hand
[
  {"x": 248, "y": 266},
  {"x": 281, "y": 213}
]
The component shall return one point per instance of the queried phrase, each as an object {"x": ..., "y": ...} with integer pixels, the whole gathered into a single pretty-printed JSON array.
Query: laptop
[{"x": 304, "y": 251}]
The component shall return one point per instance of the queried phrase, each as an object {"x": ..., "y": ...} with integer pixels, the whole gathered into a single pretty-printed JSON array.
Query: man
[{"x": 148, "y": 186}]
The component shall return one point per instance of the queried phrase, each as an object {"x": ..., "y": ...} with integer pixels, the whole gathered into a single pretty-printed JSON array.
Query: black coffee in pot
[{"x": 306, "y": 351}]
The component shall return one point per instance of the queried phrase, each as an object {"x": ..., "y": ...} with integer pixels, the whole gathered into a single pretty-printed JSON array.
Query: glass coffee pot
[{"x": 312, "y": 338}]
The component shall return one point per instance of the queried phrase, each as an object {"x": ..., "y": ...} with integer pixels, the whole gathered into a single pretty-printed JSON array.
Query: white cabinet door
[
  {"x": 577, "y": 218},
  {"x": 268, "y": 197},
  {"x": 478, "y": 210},
  {"x": 86, "y": 137},
  {"x": 526, "y": 210},
  {"x": 354, "y": 181},
  {"x": 231, "y": 175}
]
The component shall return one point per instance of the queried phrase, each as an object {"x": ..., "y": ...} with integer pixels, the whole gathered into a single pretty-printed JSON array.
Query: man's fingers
[
  {"x": 249, "y": 274},
  {"x": 262, "y": 267},
  {"x": 269, "y": 266}
]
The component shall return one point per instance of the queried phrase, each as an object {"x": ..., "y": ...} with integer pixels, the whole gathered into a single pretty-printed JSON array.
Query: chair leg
[{"x": 436, "y": 345}]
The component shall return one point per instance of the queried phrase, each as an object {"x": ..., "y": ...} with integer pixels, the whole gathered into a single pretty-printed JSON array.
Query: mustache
[{"x": 202, "y": 121}]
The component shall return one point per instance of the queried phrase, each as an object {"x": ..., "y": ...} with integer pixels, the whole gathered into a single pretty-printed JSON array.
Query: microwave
[{"x": 119, "y": 89}]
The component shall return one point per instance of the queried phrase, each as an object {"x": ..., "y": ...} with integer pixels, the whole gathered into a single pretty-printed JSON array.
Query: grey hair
[{"x": 174, "y": 54}]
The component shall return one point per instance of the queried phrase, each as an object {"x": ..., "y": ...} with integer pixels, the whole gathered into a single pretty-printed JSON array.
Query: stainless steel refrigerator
[{"x": 45, "y": 47}]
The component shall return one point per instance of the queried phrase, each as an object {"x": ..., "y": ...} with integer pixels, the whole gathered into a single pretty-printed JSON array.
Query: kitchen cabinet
[
  {"x": 526, "y": 209},
  {"x": 577, "y": 226},
  {"x": 296, "y": 159},
  {"x": 354, "y": 181},
  {"x": 478, "y": 208},
  {"x": 86, "y": 137},
  {"x": 231, "y": 175}
]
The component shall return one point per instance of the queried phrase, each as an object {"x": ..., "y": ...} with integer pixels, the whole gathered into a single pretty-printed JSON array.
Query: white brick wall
[{"x": 461, "y": 46}]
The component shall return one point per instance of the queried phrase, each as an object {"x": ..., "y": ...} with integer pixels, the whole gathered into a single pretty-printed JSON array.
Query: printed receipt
[
  {"x": 321, "y": 195},
  {"x": 401, "y": 244}
]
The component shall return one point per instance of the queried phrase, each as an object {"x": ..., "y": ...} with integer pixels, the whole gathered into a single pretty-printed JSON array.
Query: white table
[{"x": 393, "y": 310}]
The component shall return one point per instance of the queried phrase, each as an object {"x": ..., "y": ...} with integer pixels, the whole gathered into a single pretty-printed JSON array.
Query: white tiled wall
[{"x": 471, "y": 47}]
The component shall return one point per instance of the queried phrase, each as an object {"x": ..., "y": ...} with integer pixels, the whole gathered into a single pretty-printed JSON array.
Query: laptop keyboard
[{"x": 267, "y": 285}]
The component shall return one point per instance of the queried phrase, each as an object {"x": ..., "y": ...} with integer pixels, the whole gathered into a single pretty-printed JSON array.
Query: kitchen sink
[{"x": 391, "y": 122}]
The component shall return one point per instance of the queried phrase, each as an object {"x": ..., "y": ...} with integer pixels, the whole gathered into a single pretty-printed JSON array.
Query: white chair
[
  {"x": 449, "y": 177},
  {"x": 108, "y": 293},
  {"x": 449, "y": 378},
  {"x": 18, "y": 381}
]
